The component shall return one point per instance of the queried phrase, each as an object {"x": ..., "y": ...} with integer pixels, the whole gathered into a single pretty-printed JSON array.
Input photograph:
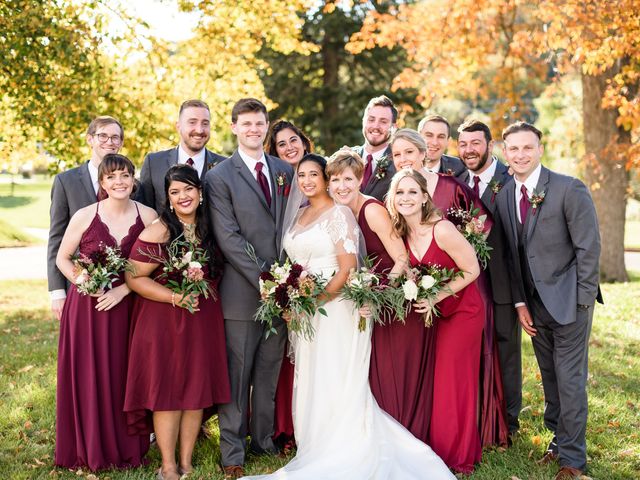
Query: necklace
[{"x": 189, "y": 231}]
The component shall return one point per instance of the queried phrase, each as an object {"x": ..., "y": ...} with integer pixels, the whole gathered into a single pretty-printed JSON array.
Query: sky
[{"x": 165, "y": 19}]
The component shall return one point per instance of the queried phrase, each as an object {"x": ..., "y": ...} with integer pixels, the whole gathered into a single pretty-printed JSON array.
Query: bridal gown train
[{"x": 341, "y": 432}]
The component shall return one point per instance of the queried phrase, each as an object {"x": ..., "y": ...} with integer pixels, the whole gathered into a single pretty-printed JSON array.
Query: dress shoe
[
  {"x": 548, "y": 458},
  {"x": 233, "y": 471},
  {"x": 568, "y": 473}
]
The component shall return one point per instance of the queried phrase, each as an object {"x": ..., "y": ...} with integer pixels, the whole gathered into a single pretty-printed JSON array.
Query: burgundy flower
[
  {"x": 282, "y": 296},
  {"x": 296, "y": 270},
  {"x": 266, "y": 276}
]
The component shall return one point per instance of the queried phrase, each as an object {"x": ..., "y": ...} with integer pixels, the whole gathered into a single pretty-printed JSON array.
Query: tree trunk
[
  {"x": 330, "y": 64},
  {"x": 605, "y": 173}
]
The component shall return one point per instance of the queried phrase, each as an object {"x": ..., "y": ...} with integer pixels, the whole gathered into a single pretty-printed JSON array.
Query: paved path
[{"x": 31, "y": 262}]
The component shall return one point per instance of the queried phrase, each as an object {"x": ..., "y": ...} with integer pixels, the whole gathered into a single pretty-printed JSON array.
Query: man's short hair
[
  {"x": 248, "y": 105},
  {"x": 194, "y": 103},
  {"x": 473, "y": 125},
  {"x": 520, "y": 127},
  {"x": 382, "y": 101},
  {"x": 434, "y": 117},
  {"x": 102, "y": 121}
]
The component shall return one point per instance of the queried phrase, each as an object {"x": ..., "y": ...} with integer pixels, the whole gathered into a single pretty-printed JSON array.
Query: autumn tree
[{"x": 509, "y": 50}]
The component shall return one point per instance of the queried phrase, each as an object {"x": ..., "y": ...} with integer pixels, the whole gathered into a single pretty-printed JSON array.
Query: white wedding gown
[{"x": 340, "y": 431}]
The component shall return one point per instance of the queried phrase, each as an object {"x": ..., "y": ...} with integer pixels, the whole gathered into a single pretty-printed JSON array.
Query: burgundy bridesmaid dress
[
  {"x": 451, "y": 193},
  {"x": 91, "y": 428},
  {"x": 402, "y": 355},
  {"x": 177, "y": 359},
  {"x": 453, "y": 433},
  {"x": 283, "y": 434}
]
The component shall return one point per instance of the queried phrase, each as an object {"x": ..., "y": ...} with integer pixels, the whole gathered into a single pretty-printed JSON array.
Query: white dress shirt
[
  {"x": 376, "y": 157},
  {"x": 485, "y": 177},
  {"x": 251, "y": 165},
  {"x": 199, "y": 159}
]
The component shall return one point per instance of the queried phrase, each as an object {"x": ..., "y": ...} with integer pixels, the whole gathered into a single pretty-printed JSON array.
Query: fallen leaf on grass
[
  {"x": 515, "y": 478},
  {"x": 91, "y": 476},
  {"x": 536, "y": 440},
  {"x": 28, "y": 425},
  {"x": 25, "y": 369},
  {"x": 626, "y": 453}
]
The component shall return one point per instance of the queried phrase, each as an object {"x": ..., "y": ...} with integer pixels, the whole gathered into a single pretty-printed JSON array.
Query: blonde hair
[
  {"x": 429, "y": 209},
  {"x": 343, "y": 159}
]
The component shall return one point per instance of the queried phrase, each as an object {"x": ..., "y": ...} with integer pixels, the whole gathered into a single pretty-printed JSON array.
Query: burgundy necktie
[
  {"x": 262, "y": 181},
  {"x": 524, "y": 204},
  {"x": 367, "y": 172},
  {"x": 190, "y": 162},
  {"x": 476, "y": 185}
]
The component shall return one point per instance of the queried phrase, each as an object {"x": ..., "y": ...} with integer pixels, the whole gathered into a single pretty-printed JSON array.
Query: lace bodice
[{"x": 317, "y": 245}]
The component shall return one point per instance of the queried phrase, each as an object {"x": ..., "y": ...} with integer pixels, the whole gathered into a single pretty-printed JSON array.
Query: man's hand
[{"x": 525, "y": 320}]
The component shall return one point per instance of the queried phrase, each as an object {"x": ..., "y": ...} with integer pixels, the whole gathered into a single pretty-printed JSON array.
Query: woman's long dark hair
[{"x": 189, "y": 175}]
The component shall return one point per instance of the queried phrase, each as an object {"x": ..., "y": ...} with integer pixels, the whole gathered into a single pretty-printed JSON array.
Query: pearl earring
[
  {"x": 201, "y": 199},
  {"x": 171, "y": 207}
]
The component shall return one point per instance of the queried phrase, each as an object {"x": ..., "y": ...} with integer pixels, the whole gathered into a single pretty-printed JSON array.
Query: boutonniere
[
  {"x": 210, "y": 165},
  {"x": 449, "y": 172},
  {"x": 283, "y": 184},
  {"x": 382, "y": 166},
  {"x": 495, "y": 187},
  {"x": 536, "y": 199}
]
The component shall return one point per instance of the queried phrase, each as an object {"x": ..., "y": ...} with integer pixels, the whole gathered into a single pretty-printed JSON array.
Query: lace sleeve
[{"x": 345, "y": 233}]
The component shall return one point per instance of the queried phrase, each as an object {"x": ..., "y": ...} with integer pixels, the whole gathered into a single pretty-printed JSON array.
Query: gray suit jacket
[
  {"x": 154, "y": 169},
  {"x": 71, "y": 191},
  {"x": 378, "y": 187},
  {"x": 452, "y": 166},
  {"x": 240, "y": 218},
  {"x": 561, "y": 243},
  {"x": 497, "y": 266}
]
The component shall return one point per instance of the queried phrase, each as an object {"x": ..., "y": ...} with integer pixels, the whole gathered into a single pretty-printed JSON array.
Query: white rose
[
  {"x": 83, "y": 277},
  {"x": 410, "y": 290},
  {"x": 427, "y": 282},
  {"x": 195, "y": 265},
  {"x": 187, "y": 257},
  {"x": 355, "y": 283}
]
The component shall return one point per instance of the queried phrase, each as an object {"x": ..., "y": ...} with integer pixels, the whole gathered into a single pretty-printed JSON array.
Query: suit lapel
[
  {"x": 511, "y": 208},
  {"x": 247, "y": 176},
  {"x": 535, "y": 213},
  {"x": 374, "y": 178},
  {"x": 85, "y": 177},
  {"x": 172, "y": 158},
  {"x": 209, "y": 163},
  {"x": 488, "y": 197},
  {"x": 275, "y": 198}
]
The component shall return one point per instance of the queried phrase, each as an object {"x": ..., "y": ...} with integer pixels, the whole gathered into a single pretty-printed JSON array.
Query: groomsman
[
  {"x": 72, "y": 190},
  {"x": 194, "y": 128},
  {"x": 247, "y": 197},
  {"x": 552, "y": 230},
  {"x": 486, "y": 176},
  {"x": 435, "y": 130},
  {"x": 378, "y": 124}
]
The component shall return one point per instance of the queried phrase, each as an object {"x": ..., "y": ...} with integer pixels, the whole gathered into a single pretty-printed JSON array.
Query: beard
[
  {"x": 481, "y": 163},
  {"x": 377, "y": 143}
]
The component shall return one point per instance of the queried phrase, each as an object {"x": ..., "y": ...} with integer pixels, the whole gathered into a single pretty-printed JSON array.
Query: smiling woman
[{"x": 288, "y": 142}]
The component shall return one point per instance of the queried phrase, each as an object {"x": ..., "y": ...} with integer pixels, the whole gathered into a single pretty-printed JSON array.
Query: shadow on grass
[{"x": 13, "y": 202}]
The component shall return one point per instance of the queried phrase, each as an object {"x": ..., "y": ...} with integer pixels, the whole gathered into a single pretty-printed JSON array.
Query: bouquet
[
  {"x": 423, "y": 282},
  {"x": 471, "y": 225},
  {"x": 183, "y": 270},
  {"x": 97, "y": 271},
  {"x": 288, "y": 290},
  {"x": 366, "y": 288}
]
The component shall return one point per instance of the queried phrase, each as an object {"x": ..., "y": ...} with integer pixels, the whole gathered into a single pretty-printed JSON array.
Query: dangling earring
[
  {"x": 171, "y": 208},
  {"x": 424, "y": 203},
  {"x": 200, "y": 199}
]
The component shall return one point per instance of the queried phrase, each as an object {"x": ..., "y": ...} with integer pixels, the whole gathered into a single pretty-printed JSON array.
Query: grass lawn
[
  {"x": 28, "y": 345},
  {"x": 29, "y": 204}
]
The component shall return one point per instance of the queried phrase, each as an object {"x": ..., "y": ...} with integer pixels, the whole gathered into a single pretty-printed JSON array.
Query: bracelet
[{"x": 173, "y": 299}]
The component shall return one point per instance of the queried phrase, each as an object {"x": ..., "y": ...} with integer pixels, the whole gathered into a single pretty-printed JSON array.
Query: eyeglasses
[{"x": 103, "y": 138}]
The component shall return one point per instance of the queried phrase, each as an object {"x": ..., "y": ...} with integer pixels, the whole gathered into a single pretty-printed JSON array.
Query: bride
[{"x": 341, "y": 432}]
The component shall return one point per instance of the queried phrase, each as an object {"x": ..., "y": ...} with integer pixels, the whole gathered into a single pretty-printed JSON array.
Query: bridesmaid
[
  {"x": 289, "y": 143},
  {"x": 402, "y": 355},
  {"x": 177, "y": 361},
  {"x": 432, "y": 240},
  {"x": 409, "y": 150},
  {"x": 91, "y": 429}
]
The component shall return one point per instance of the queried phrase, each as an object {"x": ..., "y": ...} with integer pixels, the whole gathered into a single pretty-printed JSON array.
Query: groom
[
  {"x": 247, "y": 198},
  {"x": 552, "y": 231}
]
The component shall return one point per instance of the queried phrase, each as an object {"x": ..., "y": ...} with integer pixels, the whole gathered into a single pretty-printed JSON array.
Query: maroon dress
[
  {"x": 453, "y": 433},
  {"x": 91, "y": 429},
  {"x": 177, "y": 359},
  {"x": 451, "y": 193},
  {"x": 283, "y": 418},
  {"x": 402, "y": 355}
]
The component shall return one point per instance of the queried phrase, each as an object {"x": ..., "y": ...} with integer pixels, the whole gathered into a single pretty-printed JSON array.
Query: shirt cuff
[
  {"x": 59, "y": 294},
  {"x": 520, "y": 304}
]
